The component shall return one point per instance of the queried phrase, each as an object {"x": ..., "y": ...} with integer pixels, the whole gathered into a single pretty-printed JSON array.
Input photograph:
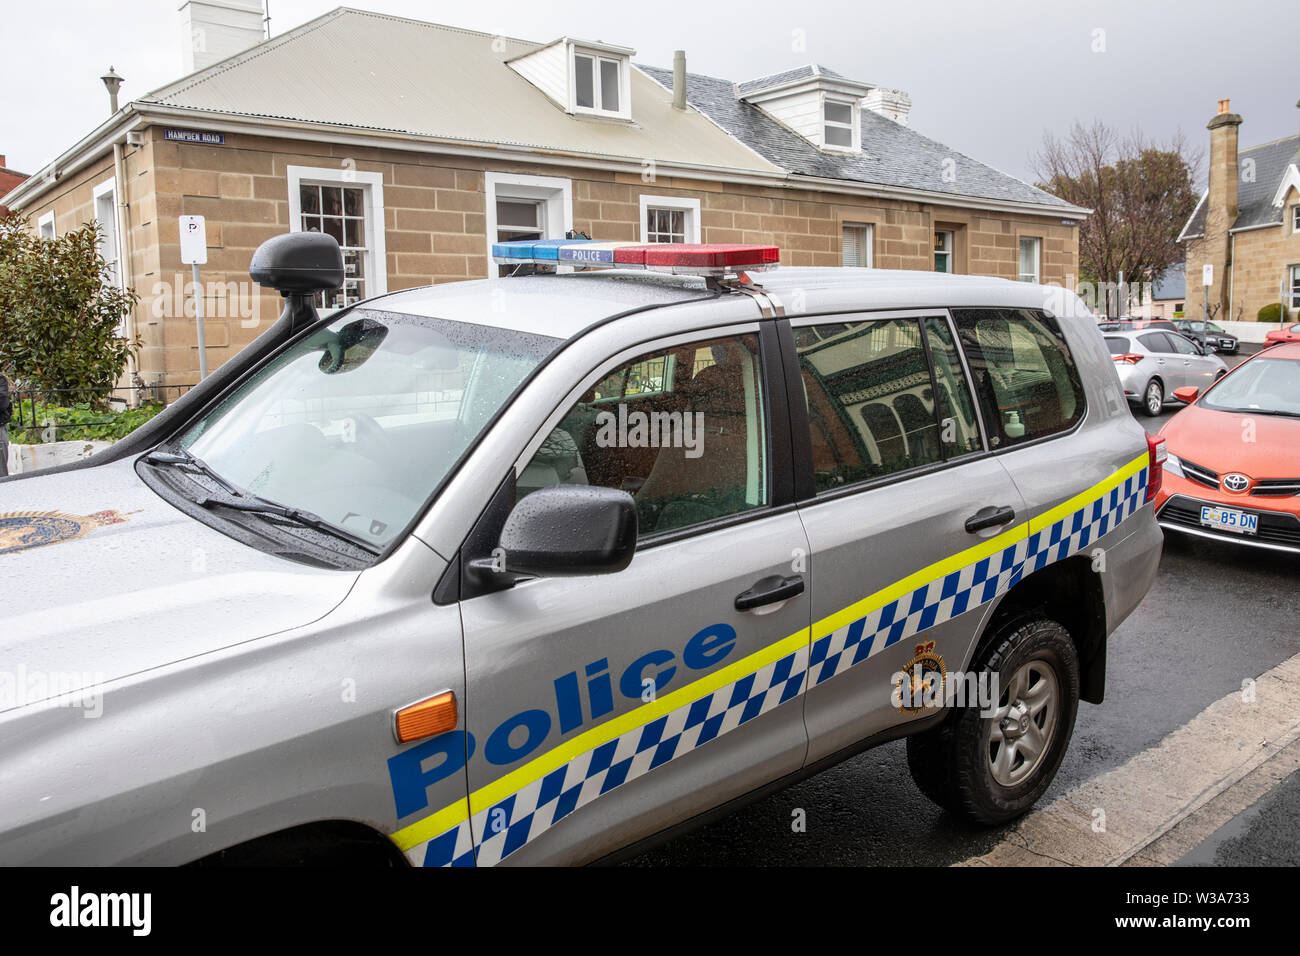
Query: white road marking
[{"x": 1162, "y": 786}]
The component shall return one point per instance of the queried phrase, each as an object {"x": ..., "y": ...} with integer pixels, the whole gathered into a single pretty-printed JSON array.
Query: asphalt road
[{"x": 1217, "y": 615}]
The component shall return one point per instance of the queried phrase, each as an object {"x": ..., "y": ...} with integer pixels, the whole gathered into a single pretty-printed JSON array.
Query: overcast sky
[{"x": 985, "y": 78}]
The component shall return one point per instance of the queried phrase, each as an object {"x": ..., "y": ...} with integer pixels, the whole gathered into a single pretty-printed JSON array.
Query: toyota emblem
[{"x": 1235, "y": 483}]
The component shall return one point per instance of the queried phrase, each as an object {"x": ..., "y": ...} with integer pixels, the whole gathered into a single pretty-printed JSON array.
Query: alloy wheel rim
[
  {"x": 1153, "y": 398},
  {"x": 1022, "y": 728}
]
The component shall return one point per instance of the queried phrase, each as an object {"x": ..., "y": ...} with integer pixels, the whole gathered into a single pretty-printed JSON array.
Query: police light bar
[{"x": 683, "y": 258}]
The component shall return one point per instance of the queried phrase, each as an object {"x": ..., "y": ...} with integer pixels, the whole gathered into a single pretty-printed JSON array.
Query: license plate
[{"x": 1226, "y": 519}]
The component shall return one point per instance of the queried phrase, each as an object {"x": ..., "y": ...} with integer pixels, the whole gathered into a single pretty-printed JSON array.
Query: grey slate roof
[
  {"x": 892, "y": 154},
  {"x": 1173, "y": 285},
  {"x": 1254, "y": 199},
  {"x": 789, "y": 76}
]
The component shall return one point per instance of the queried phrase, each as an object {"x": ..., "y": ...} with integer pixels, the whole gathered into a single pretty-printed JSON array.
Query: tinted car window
[
  {"x": 1183, "y": 345},
  {"x": 1117, "y": 346},
  {"x": 1156, "y": 342},
  {"x": 1026, "y": 378},
  {"x": 874, "y": 406},
  {"x": 683, "y": 430}
]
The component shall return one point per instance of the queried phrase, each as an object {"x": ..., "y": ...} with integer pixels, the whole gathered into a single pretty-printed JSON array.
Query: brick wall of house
[{"x": 435, "y": 227}]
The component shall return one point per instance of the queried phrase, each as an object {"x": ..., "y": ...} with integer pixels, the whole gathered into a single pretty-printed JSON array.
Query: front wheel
[
  {"x": 1153, "y": 399},
  {"x": 991, "y": 766}
]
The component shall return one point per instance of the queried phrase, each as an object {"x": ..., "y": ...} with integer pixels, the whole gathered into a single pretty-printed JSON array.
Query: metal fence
[{"x": 41, "y": 414}]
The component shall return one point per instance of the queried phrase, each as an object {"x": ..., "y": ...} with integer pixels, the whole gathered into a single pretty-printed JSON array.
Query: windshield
[
  {"x": 1264, "y": 385},
  {"x": 360, "y": 421}
]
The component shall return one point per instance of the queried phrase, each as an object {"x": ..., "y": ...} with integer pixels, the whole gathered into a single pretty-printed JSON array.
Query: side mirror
[
  {"x": 570, "y": 530},
  {"x": 1187, "y": 394},
  {"x": 299, "y": 263}
]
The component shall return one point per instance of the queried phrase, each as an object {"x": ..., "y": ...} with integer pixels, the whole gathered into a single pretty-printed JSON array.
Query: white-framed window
[
  {"x": 856, "y": 243},
  {"x": 599, "y": 83},
  {"x": 1031, "y": 259},
  {"x": 1295, "y": 287},
  {"x": 347, "y": 204},
  {"x": 942, "y": 251},
  {"x": 670, "y": 219},
  {"x": 45, "y": 225},
  {"x": 1295, "y": 218},
  {"x": 526, "y": 207},
  {"x": 840, "y": 123},
  {"x": 106, "y": 218}
]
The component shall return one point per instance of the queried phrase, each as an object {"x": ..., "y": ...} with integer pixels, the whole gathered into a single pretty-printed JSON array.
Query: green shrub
[
  {"x": 59, "y": 311},
  {"x": 1273, "y": 312},
  {"x": 80, "y": 422}
]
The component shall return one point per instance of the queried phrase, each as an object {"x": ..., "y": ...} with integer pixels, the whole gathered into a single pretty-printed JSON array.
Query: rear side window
[
  {"x": 875, "y": 405},
  {"x": 1117, "y": 346},
  {"x": 1156, "y": 342},
  {"x": 1026, "y": 379}
]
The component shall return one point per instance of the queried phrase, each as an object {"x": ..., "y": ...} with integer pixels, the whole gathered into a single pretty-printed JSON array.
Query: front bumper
[{"x": 1178, "y": 508}]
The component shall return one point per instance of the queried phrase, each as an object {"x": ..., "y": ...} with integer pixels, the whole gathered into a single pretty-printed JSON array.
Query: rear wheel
[
  {"x": 1153, "y": 399},
  {"x": 990, "y": 768}
]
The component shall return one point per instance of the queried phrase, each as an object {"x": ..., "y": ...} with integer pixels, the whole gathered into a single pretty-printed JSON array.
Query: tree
[
  {"x": 1140, "y": 193},
  {"x": 59, "y": 312}
]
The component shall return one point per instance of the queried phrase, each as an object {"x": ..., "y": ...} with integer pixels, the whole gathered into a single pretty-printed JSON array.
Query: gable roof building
[
  {"x": 1246, "y": 225},
  {"x": 418, "y": 145}
]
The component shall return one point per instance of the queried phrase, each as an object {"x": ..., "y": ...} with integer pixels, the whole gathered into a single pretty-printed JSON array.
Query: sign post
[
  {"x": 194, "y": 252},
  {"x": 1207, "y": 280}
]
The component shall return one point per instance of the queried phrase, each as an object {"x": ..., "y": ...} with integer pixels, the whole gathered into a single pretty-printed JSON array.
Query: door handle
[
  {"x": 989, "y": 517},
  {"x": 769, "y": 590}
]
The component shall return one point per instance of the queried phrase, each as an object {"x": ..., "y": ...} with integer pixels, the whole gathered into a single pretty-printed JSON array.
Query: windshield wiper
[
  {"x": 1256, "y": 411},
  {"x": 184, "y": 459},
  {"x": 255, "y": 505},
  {"x": 241, "y": 500}
]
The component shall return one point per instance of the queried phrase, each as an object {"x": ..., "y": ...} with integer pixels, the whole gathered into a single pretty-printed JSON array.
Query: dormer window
[
  {"x": 841, "y": 123},
  {"x": 818, "y": 104},
  {"x": 583, "y": 77},
  {"x": 597, "y": 82}
]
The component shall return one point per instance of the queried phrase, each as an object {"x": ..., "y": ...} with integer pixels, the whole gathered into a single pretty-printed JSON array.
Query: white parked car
[{"x": 1152, "y": 363}]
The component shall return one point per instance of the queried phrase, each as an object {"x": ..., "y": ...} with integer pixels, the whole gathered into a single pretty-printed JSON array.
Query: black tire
[
  {"x": 951, "y": 764},
  {"x": 1153, "y": 396}
]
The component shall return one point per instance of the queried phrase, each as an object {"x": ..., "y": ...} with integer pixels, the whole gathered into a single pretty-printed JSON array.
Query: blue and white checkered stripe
[
  {"x": 1076, "y": 531},
  {"x": 511, "y": 823},
  {"x": 453, "y": 848},
  {"x": 933, "y": 603},
  {"x": 978, "y": 583}
]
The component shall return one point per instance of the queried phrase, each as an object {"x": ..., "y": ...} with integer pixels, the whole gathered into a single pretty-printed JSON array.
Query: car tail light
[
  {"x": 1156, "y": 455},
  {"x": 1128, "y": 358}
]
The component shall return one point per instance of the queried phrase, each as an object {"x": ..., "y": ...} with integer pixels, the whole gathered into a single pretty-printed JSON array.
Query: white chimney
[
  {"x": 891, "y": 104},
  {"x": 212, "y": 30}
]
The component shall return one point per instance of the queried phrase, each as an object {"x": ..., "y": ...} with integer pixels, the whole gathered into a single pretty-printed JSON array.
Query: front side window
[
  {"x": 874, "y": 406},
  {"x": 1026, "y": 379},
  {"x": 1031, "y": 257},
  {"x": 362, "y": 419},
  {"x": 681, "y": 429}
]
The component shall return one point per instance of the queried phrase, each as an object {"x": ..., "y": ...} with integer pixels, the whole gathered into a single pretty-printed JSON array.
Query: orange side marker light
[{"x": 425, "y": 718}]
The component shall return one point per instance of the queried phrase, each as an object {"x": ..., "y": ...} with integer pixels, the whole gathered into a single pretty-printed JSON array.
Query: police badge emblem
[
  {"x": 924, "y": 678},
  {"x": 21, "y": 530}
]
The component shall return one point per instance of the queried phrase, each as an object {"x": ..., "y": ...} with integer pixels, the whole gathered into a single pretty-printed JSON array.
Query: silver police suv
[{"x": 538, "y": 569}]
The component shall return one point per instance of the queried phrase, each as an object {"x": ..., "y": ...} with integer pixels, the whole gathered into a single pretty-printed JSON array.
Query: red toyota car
[
  {"x": 1289, "y": 334},
  {"x": 1233, "y": 471}
]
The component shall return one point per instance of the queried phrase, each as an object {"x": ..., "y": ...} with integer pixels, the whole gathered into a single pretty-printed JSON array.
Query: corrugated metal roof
[
  {"x": 1254, "y": 196},
  {"x": 372, "y": 71}
]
